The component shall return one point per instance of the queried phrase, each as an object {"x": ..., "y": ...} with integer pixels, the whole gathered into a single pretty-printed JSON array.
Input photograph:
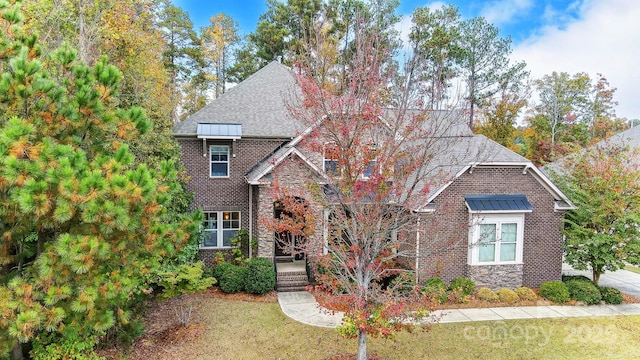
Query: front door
[{"x": 289, "y": 234}]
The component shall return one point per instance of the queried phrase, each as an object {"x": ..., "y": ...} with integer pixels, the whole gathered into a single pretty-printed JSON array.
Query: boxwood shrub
[
  {"x": 584, "y": 291},
  {"x": 555, "y": 291},
  {"x": 487, "y": 294},
  {"x": 507, "y": 296},
  {"x": 220, "y": 269},
  {"x": 233, "y": 279},
  {"x": 566, "y": 278},
  {"x": 526, "y": 294},
  {"x": 261, "y": 277},
  {"x": 610, "y": 295}
]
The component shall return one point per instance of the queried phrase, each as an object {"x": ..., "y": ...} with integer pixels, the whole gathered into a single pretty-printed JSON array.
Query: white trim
[
  {"x": 220, "y": 229},
  {"x": 210, "y": 137},
  {"x": 537, "y": 174},
  {"x": 277, "y": 162},
  {"x": 498, "y": 219},
  {"x": 220, "y": 162}
]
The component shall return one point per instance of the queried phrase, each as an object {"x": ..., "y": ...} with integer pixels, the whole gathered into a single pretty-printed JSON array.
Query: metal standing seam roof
[
  {"x": 498, "y": 203},
  {"x": 219, "y": 131}
]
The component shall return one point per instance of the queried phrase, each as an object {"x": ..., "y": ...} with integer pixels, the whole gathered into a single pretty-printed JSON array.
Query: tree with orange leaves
[{"x": 371, "y": 125}]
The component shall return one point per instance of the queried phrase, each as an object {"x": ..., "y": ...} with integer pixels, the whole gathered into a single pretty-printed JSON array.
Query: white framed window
[
  {"x": 219, "y": 161},
  {"x": 331, "y": 164},
  {"x": 369, "y": 170},
  {"x": 496, "y": 239},
  {"x": 219, "y": 228}
]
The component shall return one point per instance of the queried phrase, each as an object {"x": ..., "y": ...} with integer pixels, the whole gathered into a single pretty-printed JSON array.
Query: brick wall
[
  {"x": 295, "y": 177},
  {"x": 224, "y": 194},
  {"x": 444, "y": 234}
]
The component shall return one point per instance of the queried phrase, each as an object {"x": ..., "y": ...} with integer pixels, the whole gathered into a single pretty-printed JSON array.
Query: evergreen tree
[{"x": 82, "y": 223}]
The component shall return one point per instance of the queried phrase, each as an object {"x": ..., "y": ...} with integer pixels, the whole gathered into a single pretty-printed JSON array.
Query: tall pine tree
[{"x": 82, "y": 223}]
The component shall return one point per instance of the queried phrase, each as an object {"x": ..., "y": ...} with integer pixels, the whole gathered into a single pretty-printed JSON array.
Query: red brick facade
[
  {"x": 444, "y": 234},
  {"x": 224, "y": 194}
]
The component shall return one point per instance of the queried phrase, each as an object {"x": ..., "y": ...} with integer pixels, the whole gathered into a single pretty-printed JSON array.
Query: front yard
[{"x": 225, "y": 327}]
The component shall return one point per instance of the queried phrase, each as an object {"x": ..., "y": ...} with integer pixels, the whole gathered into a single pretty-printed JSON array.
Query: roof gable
[{"x": 258, "y": 104}]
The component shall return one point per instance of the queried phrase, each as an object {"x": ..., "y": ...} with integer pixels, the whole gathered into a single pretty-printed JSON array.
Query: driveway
[{"x": 623, "y": 280}]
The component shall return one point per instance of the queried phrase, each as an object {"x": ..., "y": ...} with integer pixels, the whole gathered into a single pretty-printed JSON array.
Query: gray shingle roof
[
  {"x": 258, "y": 104},
  {"x": 630, "y": 137}
]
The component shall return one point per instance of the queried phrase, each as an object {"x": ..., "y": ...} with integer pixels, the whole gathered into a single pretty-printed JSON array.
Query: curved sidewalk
[{"x": 302, "y": 306}]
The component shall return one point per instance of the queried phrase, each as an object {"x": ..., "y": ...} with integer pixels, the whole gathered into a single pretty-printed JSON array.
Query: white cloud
[
  {"x": 403, "y": 27},
  {"x": 503, "y": 11},
  {"x": 604, "y": 39}
]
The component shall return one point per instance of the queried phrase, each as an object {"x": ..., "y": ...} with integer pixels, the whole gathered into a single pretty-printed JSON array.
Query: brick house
[{"x": 233, "y": 146}]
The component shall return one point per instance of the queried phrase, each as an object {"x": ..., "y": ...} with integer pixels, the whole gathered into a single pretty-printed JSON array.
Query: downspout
[
  {"x": 418, "y": 250},
  {"x": 250, "y": 219}
]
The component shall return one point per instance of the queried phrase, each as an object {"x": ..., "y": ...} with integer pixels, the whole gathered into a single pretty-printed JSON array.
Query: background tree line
[{"x": 173, "y": 69}]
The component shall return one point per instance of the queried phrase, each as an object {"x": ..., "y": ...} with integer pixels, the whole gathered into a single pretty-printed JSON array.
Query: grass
[
  {"x": 632, "y": 269},
  {"x": 247, "y": 330}
]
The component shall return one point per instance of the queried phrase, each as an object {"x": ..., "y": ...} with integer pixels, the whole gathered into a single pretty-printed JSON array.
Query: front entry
[{"x": 290, "y": 228}]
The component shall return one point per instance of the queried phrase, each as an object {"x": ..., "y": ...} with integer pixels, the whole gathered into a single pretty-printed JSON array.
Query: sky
[{"x": 592, "y": 36}]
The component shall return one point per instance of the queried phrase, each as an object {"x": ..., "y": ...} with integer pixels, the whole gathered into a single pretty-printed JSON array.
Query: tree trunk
[
  {"x": 16, "y": 352},
  {"x": 362, "y": 345},
  {"x": 596, "y": 276}
]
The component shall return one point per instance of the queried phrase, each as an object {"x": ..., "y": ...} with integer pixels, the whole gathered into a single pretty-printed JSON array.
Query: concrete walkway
[
  {"x": 623, "y": 280},
  {"x": 302, "y": 306}
]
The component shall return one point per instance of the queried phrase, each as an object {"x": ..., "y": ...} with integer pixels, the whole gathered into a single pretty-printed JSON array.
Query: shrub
[
  {"x": 526, "y": 294},
  {"x": 611, "y": 295},
  {"x": 584, "y": 291},
  {"x": 183, "y": 279},
  {"x": 403, "y": 282},
  {"x": 233, "y": 279},
  {"x": 261, "y": 277},
  {"x": 436, "y": 289},
  {"x": 63, "y": 346},
  {"x": 566, "y": 278},
  {"x": 507, "y": 296},
  {"x": 487, "y": 294},
  {"x": 463, "y": 286},
  {"x": 555, "y": 291},
  {"x": 220, "y": 269}
]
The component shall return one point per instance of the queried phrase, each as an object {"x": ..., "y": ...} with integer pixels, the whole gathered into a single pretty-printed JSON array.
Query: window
[
  {"x": 331, "y": 163},
  {"x": 219, "y": 228},
  {"x": 369, "y": 170},
  {"x": 219, "y": 157},
  {"x": 496, "y": 239}
]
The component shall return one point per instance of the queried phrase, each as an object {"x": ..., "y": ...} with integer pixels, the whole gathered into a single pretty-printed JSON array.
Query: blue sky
[{"x": 593, "y": 36}]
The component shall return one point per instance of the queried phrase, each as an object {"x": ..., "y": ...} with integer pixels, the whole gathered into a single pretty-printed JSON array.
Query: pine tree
[{"x": 81, "y": 220}]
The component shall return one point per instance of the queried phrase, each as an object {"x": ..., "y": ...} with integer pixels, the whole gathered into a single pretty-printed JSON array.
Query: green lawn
[
  {"x": 633, "y": 269},
  {"x": 245, "y": 330}
]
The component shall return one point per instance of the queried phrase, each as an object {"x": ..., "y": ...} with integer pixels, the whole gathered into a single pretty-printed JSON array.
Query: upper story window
[
  {"x": 369, "y": 170},
  {"x": 219, "y": 158},
  {"x": 331, "y": 163}
]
